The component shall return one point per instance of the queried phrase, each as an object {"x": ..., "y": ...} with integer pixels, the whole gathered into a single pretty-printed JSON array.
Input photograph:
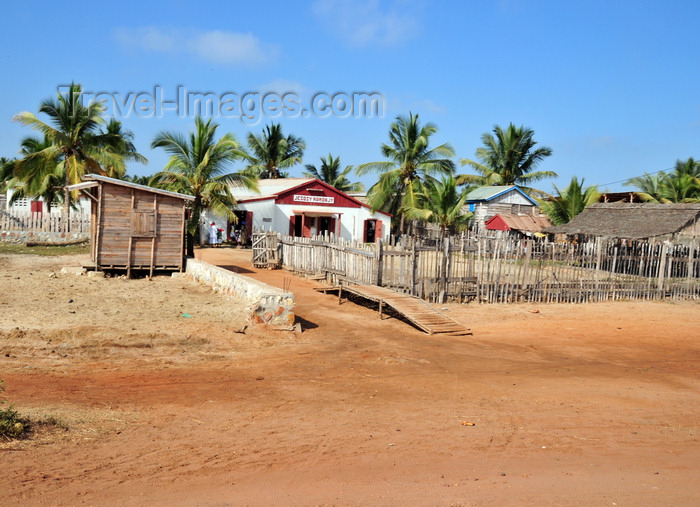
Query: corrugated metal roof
[
  {"x": 524, "y": 223},
  {"x": 490, "y": 192},
  {"x": 122, "y": 183},
  {"x": 486, "y": 193},
  {"x": 269, "y": 187},
  {"x": 272, "y": 188}
]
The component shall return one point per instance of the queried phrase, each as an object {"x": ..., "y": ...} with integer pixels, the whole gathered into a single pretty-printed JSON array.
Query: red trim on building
[
  {"x": 314, "y": 189},
  {"x": 496, "y": 223},
  {"x": 317, "y": 193}
]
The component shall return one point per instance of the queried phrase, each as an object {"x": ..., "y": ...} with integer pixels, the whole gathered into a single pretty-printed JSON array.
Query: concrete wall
[
  {"x": 37, "y": 236},
  {"x": 267, "y": 304}
]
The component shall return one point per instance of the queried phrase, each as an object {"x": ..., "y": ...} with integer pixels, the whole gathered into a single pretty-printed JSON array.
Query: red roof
[
  {"x": 300, "y": 191},
  {"x": 523, "y": 223}
]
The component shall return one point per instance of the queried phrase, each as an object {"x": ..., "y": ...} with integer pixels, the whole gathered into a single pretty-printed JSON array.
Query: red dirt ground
[{"x": 571, "y": 404}]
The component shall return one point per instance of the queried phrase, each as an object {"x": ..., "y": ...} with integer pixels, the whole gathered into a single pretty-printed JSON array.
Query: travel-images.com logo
[{"x": 249, "y": 107}]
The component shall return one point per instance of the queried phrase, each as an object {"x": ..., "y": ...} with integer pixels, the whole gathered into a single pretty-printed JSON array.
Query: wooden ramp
[{"x": 418, "y": 312}]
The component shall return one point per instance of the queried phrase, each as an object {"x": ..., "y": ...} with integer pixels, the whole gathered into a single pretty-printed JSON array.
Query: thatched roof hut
[{"x": 634, "y": 221}]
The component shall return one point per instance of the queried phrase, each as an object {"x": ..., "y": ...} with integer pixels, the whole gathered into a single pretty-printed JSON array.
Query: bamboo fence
[{"x": 496, "y": 270}]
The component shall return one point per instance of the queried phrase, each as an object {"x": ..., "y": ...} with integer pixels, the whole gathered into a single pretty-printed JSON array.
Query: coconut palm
[
  {"x": 680, "y": 188},
  {"x": 272, "y": 151},
  {"x": 570, "y": 202},
  {"x": 411, "y": 164},
  {"x": 441, "y": 202},
  {"x": 689, "y": 167},
  {"x": 76, "y": 139},
  {"x": 682, "y": 184},
  {"x": 329, "y": 172},
  {"x": 121, "y": 142},
  {"x": 198, "y": 166},
  {"x": 139, "y": 180},
  {"x": 7, "y": 168},
  {"x": 650, "y": 186},
  {"x": 508, "y": 157},
  {"x": 46, "y": 178}
]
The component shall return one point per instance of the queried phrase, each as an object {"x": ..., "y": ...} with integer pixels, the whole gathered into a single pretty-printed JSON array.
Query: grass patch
[
  {"x": 13, "y": 426},
  {"x": 49, "y": 251}
]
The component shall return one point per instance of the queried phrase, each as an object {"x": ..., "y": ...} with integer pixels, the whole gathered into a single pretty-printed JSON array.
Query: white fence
[{"x": 43, "y": 222}]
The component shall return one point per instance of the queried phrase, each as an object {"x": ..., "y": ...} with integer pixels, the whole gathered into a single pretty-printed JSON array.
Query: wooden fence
[
  {"x": 495, "y": 270},
  {"x": 43, "y": 222}
]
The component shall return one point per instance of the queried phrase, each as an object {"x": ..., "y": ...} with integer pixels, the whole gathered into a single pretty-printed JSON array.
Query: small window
[{"x": 143, "y": 224}]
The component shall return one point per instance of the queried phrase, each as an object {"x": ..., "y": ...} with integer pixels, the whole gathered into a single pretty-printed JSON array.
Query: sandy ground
[{"x": 571, "y": 404}]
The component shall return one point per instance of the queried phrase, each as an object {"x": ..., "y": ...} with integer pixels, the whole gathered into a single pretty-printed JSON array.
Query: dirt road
[{"x": 571, "y": 405}]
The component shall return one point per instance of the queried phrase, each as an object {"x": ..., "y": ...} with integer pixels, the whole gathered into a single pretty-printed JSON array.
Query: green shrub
[{"x": 11, "y": 424}]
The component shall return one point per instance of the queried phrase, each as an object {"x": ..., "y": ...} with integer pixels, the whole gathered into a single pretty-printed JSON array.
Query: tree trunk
[
  {"x": 189, "y": 244},
  {"x": 66, "y": 205}
]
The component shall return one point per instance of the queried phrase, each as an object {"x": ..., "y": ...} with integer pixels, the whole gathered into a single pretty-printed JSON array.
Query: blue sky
[{"x": 613, "y": 87}]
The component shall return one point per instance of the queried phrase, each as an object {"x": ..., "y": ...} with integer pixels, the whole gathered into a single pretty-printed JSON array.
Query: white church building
[{"x": 302, "y": 207}]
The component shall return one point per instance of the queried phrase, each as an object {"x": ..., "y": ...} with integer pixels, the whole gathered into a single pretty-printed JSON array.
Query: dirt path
[{"x": 584, "y": 405}]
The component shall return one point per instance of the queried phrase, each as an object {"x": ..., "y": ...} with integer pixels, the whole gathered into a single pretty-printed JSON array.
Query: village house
[
  {"x": 678, "y": 222},
  {"x": 302, "y": 207},
  {"x": 518, "y": 225},
  {"x": 485, "y": 202}
]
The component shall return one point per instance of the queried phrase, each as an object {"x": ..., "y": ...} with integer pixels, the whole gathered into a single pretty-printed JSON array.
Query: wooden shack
[{"x": 134, "y": 226}]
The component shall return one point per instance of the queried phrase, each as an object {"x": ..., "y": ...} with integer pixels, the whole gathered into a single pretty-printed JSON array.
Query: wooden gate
[{"x": 266, "y": 250}]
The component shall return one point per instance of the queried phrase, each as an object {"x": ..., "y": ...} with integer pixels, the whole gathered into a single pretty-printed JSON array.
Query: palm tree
[
  {"x": 47, "y": 175},
  {"x": 330, "y": 172},
  {"x": 272, "y": 151},
  {"x": 7, "y": 168},
  {"x": 121, "y": 142},
  {"x": 139, "y": 180},
  {"x": 682, "y": 184},
  {"x": 76, "y": 139},
  {"x": 650, "y": 186},
  {"x": 411, "y": 164},
  {"x": 570, "y": 202},
  {"x": 680, "y": 188},
  {"x": 689, "y": 167},
  {"x": 441, "y": 203},
  {"x": 508, "y": 157},
  {"x": 198, "y": 166}
]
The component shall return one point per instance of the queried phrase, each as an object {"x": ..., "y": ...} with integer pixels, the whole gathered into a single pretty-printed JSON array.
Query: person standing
[{"x": 212, "y": 234}]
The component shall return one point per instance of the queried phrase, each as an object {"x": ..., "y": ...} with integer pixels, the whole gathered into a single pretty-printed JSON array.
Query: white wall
[
  {"x": 24, "y": 205},
  {"x": 351, "y": 219}
]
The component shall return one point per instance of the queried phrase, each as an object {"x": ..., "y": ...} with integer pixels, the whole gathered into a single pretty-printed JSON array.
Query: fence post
[
  {"x": 598, "y": 257},
  {"x": 524, "y": 288},
  {"x": 379, "y": 262},
  {"x": 414, "y": 270},
  {"x": 662, "y": 271},
  {"x": 443, "y": 269}
]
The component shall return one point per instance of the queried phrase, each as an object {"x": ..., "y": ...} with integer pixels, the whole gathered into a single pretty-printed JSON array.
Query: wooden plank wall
[{"x": 118, "y": 247}]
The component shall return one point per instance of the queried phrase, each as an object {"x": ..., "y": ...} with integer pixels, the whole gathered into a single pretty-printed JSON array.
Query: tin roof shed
[{"x": 134, "y": 226}]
